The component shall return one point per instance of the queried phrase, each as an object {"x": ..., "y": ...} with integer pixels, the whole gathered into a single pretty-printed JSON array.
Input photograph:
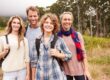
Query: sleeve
[
  {"x": 65, "y": 50},
  {"x": 27, "y": 59},
  {"x": 1, "y": 45}
]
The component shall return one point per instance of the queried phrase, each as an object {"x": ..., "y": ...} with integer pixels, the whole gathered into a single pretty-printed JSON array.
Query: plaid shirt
[{"x": 47, "y": 67}]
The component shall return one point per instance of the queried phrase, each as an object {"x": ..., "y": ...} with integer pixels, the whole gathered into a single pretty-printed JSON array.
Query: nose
[
  {"x": 33, "y": 17},
  {"x": 67, "y": 20}
]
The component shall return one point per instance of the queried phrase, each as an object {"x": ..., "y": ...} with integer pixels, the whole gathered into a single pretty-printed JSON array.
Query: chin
[{"x": 48, "y": 31}]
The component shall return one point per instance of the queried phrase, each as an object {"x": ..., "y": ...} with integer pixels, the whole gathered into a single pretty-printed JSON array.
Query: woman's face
[
  {"x": 15, "y": 25},
  {"x": 48, "y": 26},
  {"x": 66, "y": 21}
]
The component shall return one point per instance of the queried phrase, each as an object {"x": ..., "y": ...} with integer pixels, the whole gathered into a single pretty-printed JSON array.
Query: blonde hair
[
  {"x": 70, "y": 13},
  {"x": 21, "y": 30},
  {"x": 54, "y": 20}
]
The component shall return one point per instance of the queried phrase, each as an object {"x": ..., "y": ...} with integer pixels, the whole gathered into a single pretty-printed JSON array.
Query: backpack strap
[
  {"x": 53, "y": 46},
  {"x": 25, "y": 30},
  {"x": 6, "y": 39},
  {"x": 2, "y": 59},
  {"x": 37, "y": 43},
  {"x": 54, "y": 41},
  {"x": 6, "y": 36}
]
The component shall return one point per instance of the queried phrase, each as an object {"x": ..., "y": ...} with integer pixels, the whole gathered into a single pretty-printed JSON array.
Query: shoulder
[
  {"x": 2, "y": 37},
  {"x": 39, "y": 29},
  {"x": 60, "y": 40},
  {"x": 79, "y": 35},
  {"x": 2, "y": 40}
]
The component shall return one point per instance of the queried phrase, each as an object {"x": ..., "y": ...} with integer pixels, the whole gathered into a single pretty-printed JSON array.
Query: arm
[
  {"x": 3, "y": 50},
  {"x": 27, "y": 60},
  {"x": 62, "y": 50},
  {"x": 27, "y": 71},
  {"x": 85, "y": 62}
]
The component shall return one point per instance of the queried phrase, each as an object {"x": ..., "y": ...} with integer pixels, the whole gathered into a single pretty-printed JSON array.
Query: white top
[{"x": 17, "y": 57}]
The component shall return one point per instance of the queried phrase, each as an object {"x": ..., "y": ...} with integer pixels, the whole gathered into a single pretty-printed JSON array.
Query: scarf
[{"x": 76, "y": 40}]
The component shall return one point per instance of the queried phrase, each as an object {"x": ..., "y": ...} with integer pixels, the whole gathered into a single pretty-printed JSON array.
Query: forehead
[
  {"x": 31, "y": 12},
  {"x": 48, "y": 19},
  {"x": 16, "y": 19},
  {"x": 67, "y": 16}
]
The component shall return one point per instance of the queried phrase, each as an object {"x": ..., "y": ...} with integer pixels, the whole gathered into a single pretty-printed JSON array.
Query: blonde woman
[
  {"x": 48, "y": 67},
  {"x": 16, "y": 65},
  {"x": 77, "y": 67}
]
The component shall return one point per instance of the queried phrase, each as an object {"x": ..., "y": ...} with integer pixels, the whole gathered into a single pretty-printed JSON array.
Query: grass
[
  {"x": 98, "y": 52},
  {"x": 94, "y": 42},
  {"x": 1, "y": 31},
  {"x": 99, "y": 60},
  {"x": 1, "y": 74}
]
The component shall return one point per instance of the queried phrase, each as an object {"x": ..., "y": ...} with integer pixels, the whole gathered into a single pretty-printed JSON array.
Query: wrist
[{"x": 3, "y": 54}]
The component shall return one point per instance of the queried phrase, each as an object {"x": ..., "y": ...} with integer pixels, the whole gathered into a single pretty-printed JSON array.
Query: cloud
[{"x": 18, "y": 7}]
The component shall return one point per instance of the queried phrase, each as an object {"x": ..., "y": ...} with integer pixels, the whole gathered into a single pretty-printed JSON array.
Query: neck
[
  {"x": 46, "y": 35},
  {"x": 66, "y": 29},
  {"x": 66, "y": 32},
  {"x": 33, "y": 26},
  {"x": 14, "y": 33}
]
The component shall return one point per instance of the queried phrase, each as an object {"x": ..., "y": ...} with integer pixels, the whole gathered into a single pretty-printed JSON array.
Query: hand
[
  {"x": 54, "y": 52},
  {"x": 28, "y": 77},
  {"x": 6, "y": 49},
  {"x": 87, "y": 75}
]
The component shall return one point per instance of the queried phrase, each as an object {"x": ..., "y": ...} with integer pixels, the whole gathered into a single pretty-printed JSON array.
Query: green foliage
[
  {"x": 102, "y": 60},
  {"x": 41, "y": 11},
  {"x": 95, "y": 42},
  {"x": 1, "y": 28},
  {"x": 3, "y": 21}
]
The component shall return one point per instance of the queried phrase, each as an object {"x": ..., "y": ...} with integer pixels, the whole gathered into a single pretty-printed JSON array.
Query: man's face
[{"x": 33, "y": 17}]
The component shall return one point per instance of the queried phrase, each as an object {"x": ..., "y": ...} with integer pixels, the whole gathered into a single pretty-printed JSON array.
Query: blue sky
[{"x": 18, "y": 7}]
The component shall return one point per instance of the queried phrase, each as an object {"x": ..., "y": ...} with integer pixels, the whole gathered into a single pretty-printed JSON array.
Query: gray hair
[{"x": 70, "y": 13}]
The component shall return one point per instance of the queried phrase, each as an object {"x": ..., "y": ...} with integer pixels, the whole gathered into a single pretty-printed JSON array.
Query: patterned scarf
[{"x": 75, "y": 38}]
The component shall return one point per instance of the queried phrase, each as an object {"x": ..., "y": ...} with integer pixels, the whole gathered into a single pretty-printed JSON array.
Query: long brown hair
[{"x": 21, "y": 30}]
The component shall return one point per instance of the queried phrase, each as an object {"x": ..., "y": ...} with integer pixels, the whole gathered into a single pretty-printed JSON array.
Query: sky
[{"x": 18, "y": 7}]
